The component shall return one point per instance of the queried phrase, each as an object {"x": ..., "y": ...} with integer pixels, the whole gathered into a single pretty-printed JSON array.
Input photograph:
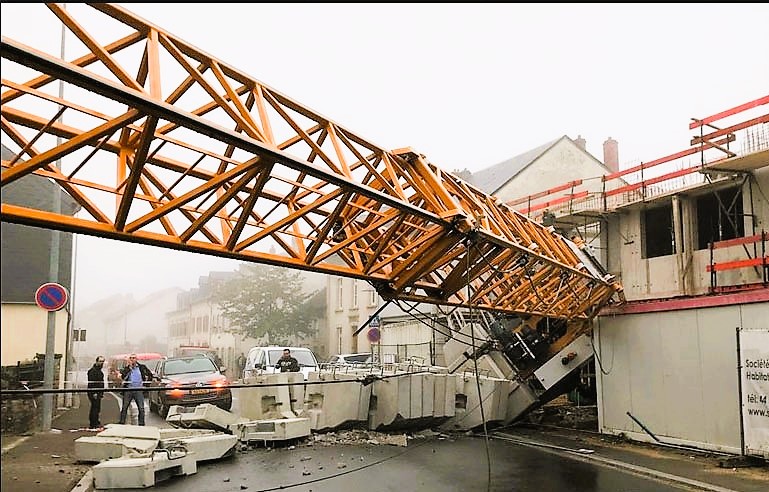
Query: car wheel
[{"x": 153, "y": 406}]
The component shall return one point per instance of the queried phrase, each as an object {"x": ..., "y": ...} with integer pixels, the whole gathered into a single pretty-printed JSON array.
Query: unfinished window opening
[
  {"x": 460, "y": 401},
  {"x": 719, "y": 217},
  {"x": 659, "y": 239}
]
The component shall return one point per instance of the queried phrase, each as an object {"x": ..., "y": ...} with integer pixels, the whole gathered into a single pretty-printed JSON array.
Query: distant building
[
  {"x": 121, "y": 324},
  {"x": 197, "y": 320}
]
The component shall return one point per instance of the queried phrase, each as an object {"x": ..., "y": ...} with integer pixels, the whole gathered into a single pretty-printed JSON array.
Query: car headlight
[{"x": 173, "y": 390}]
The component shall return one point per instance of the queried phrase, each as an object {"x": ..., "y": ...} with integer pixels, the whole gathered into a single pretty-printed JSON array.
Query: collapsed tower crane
[{"x": 161, "y": 143}]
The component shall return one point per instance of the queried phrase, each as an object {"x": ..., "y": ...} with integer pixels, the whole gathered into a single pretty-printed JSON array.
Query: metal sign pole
[{"x": 53, "y": 274}]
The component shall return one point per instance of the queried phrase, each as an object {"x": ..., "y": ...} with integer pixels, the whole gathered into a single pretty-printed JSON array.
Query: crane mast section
[{"x": 160, "y": 143}]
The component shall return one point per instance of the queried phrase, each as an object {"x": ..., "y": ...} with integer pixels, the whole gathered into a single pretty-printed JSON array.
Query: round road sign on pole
[
  {"x": 374, "y": 335},
  {"x": 51, "y": 296}
]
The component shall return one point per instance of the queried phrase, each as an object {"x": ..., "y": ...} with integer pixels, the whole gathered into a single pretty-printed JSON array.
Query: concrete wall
[
  {"x": 685, "y": 272},
  {"x": 676, "y": 372}
]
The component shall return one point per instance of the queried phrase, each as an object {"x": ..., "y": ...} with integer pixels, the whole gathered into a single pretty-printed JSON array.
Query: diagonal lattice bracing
[{"x": 163, "y": 144}]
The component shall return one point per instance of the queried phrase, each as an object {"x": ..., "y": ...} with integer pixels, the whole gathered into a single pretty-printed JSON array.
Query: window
[
  {"x": 78, "y": 335},
  {"x": 339, "y": 339},
  {"x": 372, "y": 297},
  {"x": 719, "y": 217},
  {"x": 658, "y": 236},
  {"x": 354, "y": 293},
  {"x": 339, "y": 293}
]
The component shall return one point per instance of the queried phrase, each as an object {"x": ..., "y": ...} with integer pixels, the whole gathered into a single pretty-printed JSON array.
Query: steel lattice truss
[{"x": 163, "y": 144}]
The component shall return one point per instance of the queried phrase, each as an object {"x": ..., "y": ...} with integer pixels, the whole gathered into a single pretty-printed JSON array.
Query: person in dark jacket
[
  {"x": 287, "y": 363},
  {"x": 95, "y": 381},
  {"x": 134, "y": 376}
]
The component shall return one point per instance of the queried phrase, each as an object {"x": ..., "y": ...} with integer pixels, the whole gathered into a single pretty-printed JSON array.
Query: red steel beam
[
  {"x": 662, "y": 160},
  {"x": 731, "y": 265},
  {"x": 729, "y": 112},
  {"x": 705, "y": 301},
  {"x": 733, "y": 128},
  {"x": 737, "y": 241},
  {"x": 562, "y": 187},
  {"x": 658, "y": 179},
  {"x": 581, "y": 194}
]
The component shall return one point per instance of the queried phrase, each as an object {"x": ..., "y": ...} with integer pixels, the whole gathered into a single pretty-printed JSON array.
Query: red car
[{"x": 188, "y": 381}]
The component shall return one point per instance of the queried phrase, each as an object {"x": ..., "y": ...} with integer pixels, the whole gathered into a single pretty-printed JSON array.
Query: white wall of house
[
  {"x": 676, "y": 372},
  {"x": 349, "y": 304},
  {"x": 562, "y": 163},
  {"x": 24, "y": 334}
]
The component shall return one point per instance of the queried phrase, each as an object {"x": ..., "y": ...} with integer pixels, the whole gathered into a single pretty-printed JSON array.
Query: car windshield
[
  {"x": 303, "y": 357},
  {"x": 183, "y": 366}
]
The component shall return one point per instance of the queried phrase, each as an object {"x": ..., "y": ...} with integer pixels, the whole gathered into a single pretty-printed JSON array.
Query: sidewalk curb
[
  {"x": 15, "y": 443},
  {"x": 575, "y": 454},
  {"x": 85, "y": 484}
]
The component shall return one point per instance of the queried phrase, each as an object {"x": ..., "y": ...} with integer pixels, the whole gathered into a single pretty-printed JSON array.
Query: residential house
[{"x": 25, "y": 265}]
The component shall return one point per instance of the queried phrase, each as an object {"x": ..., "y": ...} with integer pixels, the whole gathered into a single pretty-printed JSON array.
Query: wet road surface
[{"x": 426, "y": 464}]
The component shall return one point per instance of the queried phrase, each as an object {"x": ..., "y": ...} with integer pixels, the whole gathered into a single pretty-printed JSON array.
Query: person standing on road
[
  {"x": 95, "y": 380},
  {"x": 241, "y": 364},
  {"x": 134, "y": 375},
  {"x": 287, "y": 363}
]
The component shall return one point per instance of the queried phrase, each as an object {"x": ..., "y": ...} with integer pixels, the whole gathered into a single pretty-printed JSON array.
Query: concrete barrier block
[
  {"x": 204, "y": 447},
  {"x": 96, "y": 448},
  {"x": 132, "y": 431},
  {"x": 136, "y": 473},
  {"x": 520, "y": 399},
  {"x": 205, "y": 416},
  {"x": 468, "y": 411},
  {"x": 270, "y": 402},
  {"x": 273, "y": 429},
  {"x": 335, "y": 404}
]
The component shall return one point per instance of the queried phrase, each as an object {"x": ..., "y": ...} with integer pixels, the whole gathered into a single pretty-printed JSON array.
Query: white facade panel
[
  {"x": 676, "y": 372},
  {"x": 718, "y": 339}
]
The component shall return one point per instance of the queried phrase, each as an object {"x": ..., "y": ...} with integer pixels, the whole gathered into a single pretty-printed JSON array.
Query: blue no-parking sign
[{"x": 51, "y": 296}]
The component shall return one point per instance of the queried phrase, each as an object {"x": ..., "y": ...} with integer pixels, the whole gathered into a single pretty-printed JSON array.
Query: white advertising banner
[{"x": 754, "y": 374}]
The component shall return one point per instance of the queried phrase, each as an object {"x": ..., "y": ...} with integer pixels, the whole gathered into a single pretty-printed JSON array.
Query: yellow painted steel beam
[{"x": 163, "y": 144}]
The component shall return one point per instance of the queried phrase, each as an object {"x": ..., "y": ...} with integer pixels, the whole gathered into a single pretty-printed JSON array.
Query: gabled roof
[{"x": 493, "y": 178}]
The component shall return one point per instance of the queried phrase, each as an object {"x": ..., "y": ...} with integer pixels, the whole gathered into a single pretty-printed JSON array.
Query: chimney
[
  {"x": 581, "y": 143},
  {"x": 611, "y": 154}
]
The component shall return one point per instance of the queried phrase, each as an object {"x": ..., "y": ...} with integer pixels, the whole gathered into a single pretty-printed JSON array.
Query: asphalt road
[
  {"x": 437, "y": 463},
  {"x": 426, "y": 465}
]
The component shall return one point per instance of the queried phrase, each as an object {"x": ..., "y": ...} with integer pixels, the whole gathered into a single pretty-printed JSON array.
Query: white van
[{"x": 261, "y": 360}]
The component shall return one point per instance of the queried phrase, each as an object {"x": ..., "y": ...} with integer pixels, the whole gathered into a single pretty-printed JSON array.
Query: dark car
[{"x": 185, "y": 380}]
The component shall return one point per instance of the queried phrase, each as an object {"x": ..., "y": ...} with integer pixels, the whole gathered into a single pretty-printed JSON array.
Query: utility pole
[{"x": 53, "y": 275}]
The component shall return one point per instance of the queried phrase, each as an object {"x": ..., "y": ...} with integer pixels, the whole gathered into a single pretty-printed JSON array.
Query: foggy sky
[{"x": 468, "y": 85}]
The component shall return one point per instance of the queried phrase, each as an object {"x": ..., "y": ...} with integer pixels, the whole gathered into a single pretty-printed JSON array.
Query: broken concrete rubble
[{"x": 284, "y": 407}]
